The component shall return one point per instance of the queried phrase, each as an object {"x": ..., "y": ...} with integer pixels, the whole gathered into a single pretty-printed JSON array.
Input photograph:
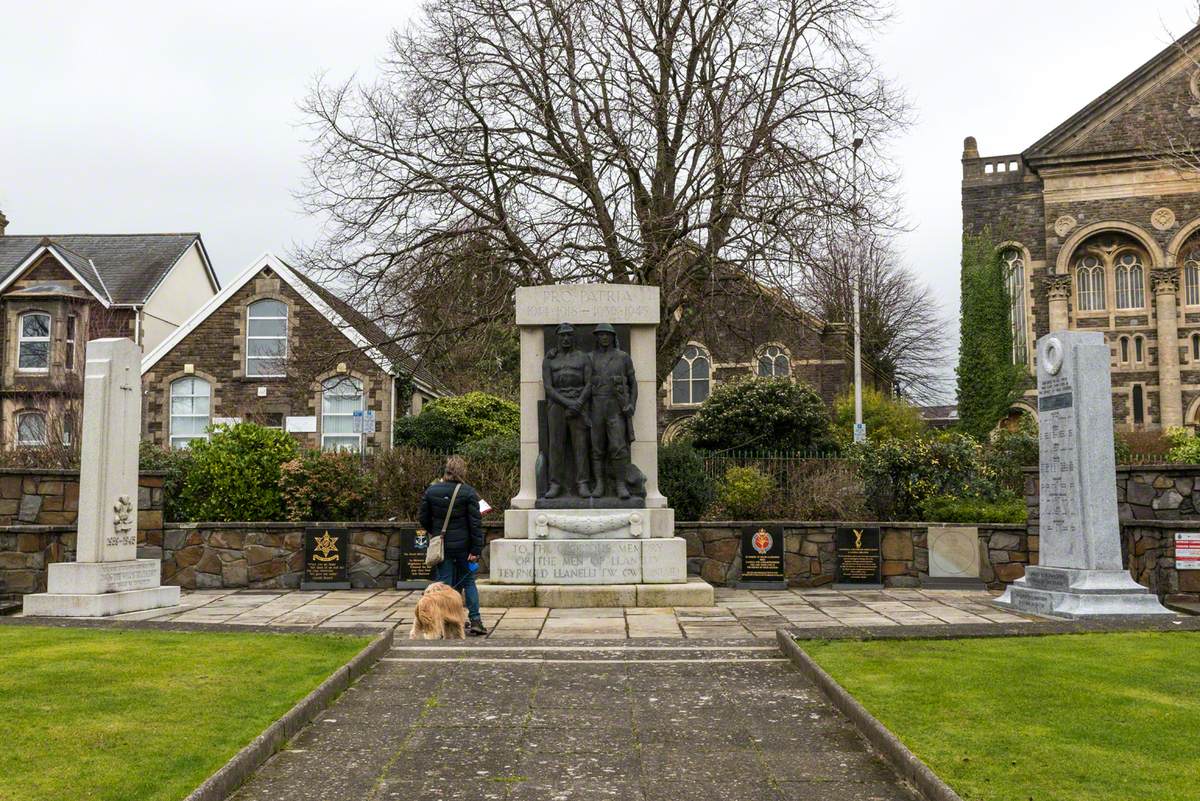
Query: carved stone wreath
[
  {"x": 1064, "y": 225},
  {"x": 588, "y": 525},
  {"x": 1163, "y": 219}
]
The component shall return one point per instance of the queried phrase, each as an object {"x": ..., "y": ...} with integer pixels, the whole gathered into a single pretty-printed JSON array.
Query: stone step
[{"x": 695, "y": 592}]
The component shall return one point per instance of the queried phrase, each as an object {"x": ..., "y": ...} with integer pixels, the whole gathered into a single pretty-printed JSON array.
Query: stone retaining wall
[
  {"x": 38, "y": 511},
  {"x": 1144, "y": 492},
  {"x": 714, "y": 551}
]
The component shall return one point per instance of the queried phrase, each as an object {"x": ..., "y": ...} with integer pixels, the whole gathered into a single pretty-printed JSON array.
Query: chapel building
[{"x": 1098, "y": 226}]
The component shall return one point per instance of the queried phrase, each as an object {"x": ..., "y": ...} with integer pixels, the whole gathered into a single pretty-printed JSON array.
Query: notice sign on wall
[
  {"x": 326, "y": 559},
  {"x": 1187, "y": 550},
  {"x": 858, "y": 557},
  {"x": 414, "y": 573},
  {"x": 762, "y": 557}
]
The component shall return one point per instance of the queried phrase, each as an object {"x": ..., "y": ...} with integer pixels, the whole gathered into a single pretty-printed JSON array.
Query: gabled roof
[
  {"x": 1083, "y": 134},
  {"x": 361, "y": 333},
  {"x": 122, "y": 269}
]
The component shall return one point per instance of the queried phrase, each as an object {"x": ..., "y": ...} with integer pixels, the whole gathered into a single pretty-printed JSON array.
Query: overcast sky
[{"x": 126, "y": 116}]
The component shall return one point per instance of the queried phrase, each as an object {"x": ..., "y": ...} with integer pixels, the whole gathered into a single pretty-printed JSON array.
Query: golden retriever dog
[{"x": 440, "y": 614}]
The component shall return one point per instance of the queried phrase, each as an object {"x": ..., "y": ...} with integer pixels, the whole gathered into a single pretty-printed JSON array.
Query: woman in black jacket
[{"x": 464, "y": 533}]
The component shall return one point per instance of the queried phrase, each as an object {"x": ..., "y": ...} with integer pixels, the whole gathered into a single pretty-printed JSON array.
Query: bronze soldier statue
[
  {"x": 567, "y": 376},
  {"x": 614, "y": 398}
]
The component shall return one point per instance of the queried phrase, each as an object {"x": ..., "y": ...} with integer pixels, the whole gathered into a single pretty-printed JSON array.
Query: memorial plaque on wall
[
  {"x": 326, "y": 559},
  {"x": 859, "y": 562},
  {"x": 762, "y": 557},
  {"x": 414, "y": 574}
]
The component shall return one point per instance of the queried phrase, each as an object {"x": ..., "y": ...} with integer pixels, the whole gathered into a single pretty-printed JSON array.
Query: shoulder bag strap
[{"x": 450, "y": 508}]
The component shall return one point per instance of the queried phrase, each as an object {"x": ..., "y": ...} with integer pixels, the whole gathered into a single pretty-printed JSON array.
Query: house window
[
  {"x": 266, "y": 339},
  {"x": 33, "y": 342},
  {"x": 68, "y": 429},
  {"x": 1131, "y": 293},
  {"x": 1090, "y": 284},
  {"x": 1125, "y": 350},
  {"x": 31, "y": 429},
  {"x": 191, "y": 404},
  {"x": 71, "y": 342},
  {"x": 774, "y": 363},
  {"x": 1191, "y": 279},
  {"x": 1014, "y": 270},
  {"x": 340, "y": 398},
  {"x": 691, "y": 377},
  {"x": 1139, "y": 406},
  {"x": 1196, "y": 347},
  {"x": 1139, "y": 349}
]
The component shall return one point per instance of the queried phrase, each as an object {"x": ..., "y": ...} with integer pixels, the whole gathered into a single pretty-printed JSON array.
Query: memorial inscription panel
[
  {"x": 858, "y": 557},
  {"x": 414, "y": 542},
  {"x": 326, "y": 559},
  {"x": 587, "y": 562},
  {"x": 762, "y": 554}
]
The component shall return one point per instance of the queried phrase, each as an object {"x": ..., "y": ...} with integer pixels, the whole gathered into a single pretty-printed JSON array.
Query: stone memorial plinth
[
  {"x": 1079, "y": 573},
  {"x": 107, "y": 578},
  {"x": 589, "y": 513}
]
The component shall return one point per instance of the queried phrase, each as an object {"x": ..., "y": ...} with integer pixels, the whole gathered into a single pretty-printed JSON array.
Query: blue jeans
[{"x": 453, "y": 570}]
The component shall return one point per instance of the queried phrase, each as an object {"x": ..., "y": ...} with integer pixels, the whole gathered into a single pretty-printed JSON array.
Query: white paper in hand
[{"x": 484, "y": 507}]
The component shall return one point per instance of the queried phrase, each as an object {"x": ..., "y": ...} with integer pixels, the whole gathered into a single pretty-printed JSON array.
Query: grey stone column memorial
[
  {"x": 107, "y": 578},
  {"x": 1079, "y": 572}
]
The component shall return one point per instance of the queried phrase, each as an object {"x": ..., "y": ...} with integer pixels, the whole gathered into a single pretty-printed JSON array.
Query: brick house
[
  {"x": 756, "y": 332},
  {"x": 1100, "y": 228},
  {"x": 57, "y": 292},
  {"x": 276, "y": 348}
]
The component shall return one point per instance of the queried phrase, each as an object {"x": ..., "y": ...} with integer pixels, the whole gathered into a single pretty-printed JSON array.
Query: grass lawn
[
  {"x": 1096, "y": 717},
  {"x": 122, "y": 715}
]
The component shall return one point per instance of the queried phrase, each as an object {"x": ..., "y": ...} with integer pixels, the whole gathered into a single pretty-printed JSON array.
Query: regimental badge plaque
[
  {"x": 859, "y": 562},
  {"x": 414, "y": 574},
  {"x": 762, "y": 557},
  {"x": 326, "y": 559}
]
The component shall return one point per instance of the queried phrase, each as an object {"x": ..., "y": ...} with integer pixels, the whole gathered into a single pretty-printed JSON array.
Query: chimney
[{"x": 3, "y": 223}]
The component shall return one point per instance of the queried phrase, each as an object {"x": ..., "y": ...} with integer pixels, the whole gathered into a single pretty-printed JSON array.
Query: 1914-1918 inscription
[
  {"x": 326, "y": 559},
  {"x": 859, "y": 561}
]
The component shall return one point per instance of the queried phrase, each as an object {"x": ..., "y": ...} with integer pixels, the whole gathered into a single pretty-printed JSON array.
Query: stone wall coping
[
  {"x": 1139, "y": 468},
  {"x": 298, "y": 524},
  {"x": 63, "y": 471},
  {"x": 30, "y": 528},
  {"x": 1131, "y": 522},
  {"x": 690, "y": 524}
]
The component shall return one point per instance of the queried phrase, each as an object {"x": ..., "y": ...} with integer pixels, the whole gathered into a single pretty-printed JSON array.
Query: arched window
[
  {"x": 1191, "y": 279},
  {"x": 1139, "y": 349},
  {"x": 1139, "y": 406},
  {"x": 266, "y": 338},
  {"x": 341, "y": 397},
  {"x": 1125, "y": 350},
  {"x": 31, "y": 429},
  {"x": 774, "y": 363},
  {"x": 191, "y": 405},
  {"x": 691, "y": 377},
  {"x": 1090, "y": 284},
  {"x": 33, "y": 342},
  {"x": 1130, "y": 282},
  {"x": 1014, "y": 271}
]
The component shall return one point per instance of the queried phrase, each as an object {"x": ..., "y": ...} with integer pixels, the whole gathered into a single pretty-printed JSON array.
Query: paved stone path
[
  {"x": 743, "y": 614},
  {"x": 653, "y": 720}
]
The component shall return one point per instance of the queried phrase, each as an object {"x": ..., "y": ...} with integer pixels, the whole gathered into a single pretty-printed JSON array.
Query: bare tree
[
  {"x": 903, "y": 333},
  {"x": 625, "y": 141}
]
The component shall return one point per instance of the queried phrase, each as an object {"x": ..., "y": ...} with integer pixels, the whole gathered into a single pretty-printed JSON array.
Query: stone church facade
[{"x": 1098, "y": 225}]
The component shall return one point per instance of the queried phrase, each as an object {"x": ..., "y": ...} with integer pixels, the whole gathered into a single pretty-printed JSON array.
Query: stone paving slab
[
  {"x": 510, "y": 720},
  {"x": 738, "y": 614}
]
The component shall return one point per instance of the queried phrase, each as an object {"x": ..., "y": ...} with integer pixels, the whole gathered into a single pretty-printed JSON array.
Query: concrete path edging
[
  {"x": 907, "y": 764},
  {"x": 245, "y": 762}
]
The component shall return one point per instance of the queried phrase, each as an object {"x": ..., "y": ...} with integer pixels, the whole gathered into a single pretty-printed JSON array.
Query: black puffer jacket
[{"x": 465, "y": 531}]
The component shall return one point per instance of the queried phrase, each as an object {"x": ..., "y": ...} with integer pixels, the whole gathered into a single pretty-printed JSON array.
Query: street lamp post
[{"x": 860, "y": 428}]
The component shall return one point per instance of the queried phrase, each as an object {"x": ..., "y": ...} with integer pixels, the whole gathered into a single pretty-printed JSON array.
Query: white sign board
[
  {"x": 1187, "y": 550},
  {"x": 357, "y": 423},
  {"x": 226, "y": 421},
  {"x": 860, "y": 432},
  {"x": 301, "y": 425},
  {"x": 369, "y": 421}
]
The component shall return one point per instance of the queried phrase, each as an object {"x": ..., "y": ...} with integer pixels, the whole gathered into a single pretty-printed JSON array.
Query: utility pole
[{"x": 860, "y": 428}]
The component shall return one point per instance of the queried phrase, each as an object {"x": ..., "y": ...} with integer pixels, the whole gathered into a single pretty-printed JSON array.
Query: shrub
[
  {"x": 744, "y": 492},
  {"x": 900, "y": 476},
  {"x": 175, "y": 463},
  {"x": 325, "y": 486},
  {"x": 886, "y": 418},
  {"x": 446, "y": 423},
  {"x": 1185, "y": 446},
  {"x": 399, "y": 478},
  {"x": 1009, "y": 450},
  {"x": 825, "y": 489},
  {"x": 752, "y": 413},
  {"x": 946, "y": 509},
  {"x": 683, "y": 479},
  {"x": 504, "y": 448},
  {"x": 234, "y": 475}
]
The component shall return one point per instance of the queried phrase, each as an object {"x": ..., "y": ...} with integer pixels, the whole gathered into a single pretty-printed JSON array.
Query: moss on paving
[
  {"x": 128, "y": 715},
  {"x": 1102, "y": 717}
]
